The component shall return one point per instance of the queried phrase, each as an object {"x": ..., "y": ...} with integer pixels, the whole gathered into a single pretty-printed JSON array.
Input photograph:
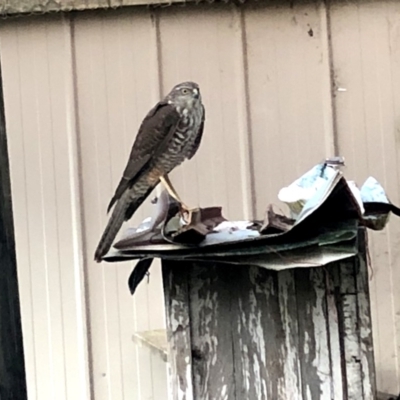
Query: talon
[
  {"x": 186, "y": 213},
  {"x": 170, "y": 189}
]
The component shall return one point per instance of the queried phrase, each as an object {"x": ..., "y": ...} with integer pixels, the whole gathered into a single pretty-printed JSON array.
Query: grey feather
[{"x": 170, "y": 133}]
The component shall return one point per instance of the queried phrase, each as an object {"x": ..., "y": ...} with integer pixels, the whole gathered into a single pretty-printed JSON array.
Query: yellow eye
[{"x": 185, "y": 91}]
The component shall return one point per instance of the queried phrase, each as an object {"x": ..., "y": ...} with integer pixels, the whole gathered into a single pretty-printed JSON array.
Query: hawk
[{"x": 170, "y": 133}]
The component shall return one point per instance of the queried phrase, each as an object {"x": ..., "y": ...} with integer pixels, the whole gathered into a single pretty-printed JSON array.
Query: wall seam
[
  {"x": 79, "y": 243},
  {"x": 332, "y": 80},
  {"x": 247, "y": 146}
]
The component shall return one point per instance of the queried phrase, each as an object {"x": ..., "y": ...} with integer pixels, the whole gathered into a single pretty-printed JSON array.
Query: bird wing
[
  {"x": 199, "y": 136},
  {"x": 152, "y": 139}
]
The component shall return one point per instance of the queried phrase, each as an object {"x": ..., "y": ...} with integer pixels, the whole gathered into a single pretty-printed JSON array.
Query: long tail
[
  {"x": 123, "y": 210},
  {"x": 113, "y": 226}
]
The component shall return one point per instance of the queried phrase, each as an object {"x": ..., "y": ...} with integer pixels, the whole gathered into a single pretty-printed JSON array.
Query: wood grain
[
  {"x": 178, "y": 330},
  {"x": 243, "y": 332}
]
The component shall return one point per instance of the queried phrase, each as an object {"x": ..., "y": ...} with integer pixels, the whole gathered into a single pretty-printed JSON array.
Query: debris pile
[{"x": 326, "y": 212}]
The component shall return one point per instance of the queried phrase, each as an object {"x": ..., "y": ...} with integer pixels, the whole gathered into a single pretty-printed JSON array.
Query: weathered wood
[
  {"x": 387, "y": 396},
  {"x": 211, "y": 300},
  {"x": 178, "y": 330},
  {"x": 259, "y": 357},
  {"x": 350, "y": 327},
  {"x": 350, "y": 331},
  {"x": 261, "y": 334},
  {"x": 364, "y": 320},
  {"x": 332, "y": 277},
  {"x": 313, "y": 335},
  {"x": 12, "y": 368},
  {"x": 289, "y": 316}
]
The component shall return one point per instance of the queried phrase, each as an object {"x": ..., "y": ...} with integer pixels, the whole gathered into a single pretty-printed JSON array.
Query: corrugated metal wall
[{"x": 76, "y": 88}]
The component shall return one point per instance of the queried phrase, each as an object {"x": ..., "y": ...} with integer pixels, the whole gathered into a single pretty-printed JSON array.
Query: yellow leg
[{"x": 171, "y": 190}]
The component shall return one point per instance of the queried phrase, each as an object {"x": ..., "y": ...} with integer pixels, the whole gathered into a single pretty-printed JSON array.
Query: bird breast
[
  {"x": 183, "y": 138},
  {"x": 188, "y": 128}
]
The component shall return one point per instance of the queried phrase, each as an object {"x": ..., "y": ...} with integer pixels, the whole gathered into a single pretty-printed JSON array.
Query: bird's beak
[{"x": 196, "y": 93}]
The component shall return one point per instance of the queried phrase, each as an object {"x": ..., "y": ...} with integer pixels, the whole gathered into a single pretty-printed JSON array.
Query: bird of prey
[{"x": 170, "y": 133}]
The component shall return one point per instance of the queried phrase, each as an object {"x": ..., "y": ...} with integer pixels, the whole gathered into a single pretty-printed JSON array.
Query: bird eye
[{"x": 184, "y": 91}]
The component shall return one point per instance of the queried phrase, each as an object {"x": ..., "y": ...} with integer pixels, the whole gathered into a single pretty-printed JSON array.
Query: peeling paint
[
  {"x": 321, "y": 361},
  {"x": 289, "y": 335}
]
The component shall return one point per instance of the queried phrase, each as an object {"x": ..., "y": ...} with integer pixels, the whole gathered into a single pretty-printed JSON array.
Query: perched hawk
[{"x": 170, "y": 133}]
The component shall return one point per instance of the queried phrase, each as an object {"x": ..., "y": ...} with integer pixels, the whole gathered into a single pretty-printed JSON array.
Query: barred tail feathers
[
  {"x": 124, "y": 209},
  {"x": 113, "y": 226}
]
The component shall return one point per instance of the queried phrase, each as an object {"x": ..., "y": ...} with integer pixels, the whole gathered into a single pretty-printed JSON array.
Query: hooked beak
[{"x": 196, "y": 93}]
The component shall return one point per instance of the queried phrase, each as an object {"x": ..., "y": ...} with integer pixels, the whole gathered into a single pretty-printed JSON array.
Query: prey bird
[{"x": 170, "y": 133}]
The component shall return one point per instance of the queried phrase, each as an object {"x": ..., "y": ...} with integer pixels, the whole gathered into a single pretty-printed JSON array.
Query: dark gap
[
  {"x": 232, "y": 314},
  {"x": 188, "y": 275},
  {"x": 301, "y": 355},
  {"x": 12, "y": 372},
  {"x": 338, "y": 300},
  {"x": 356, "y": 269},
  {"x": 327, "y": 320}
]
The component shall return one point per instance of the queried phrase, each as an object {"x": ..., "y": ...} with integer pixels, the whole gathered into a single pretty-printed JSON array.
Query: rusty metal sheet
[
  {"x": 326, "y": 212},
  {"x": 323, "y": 219}
]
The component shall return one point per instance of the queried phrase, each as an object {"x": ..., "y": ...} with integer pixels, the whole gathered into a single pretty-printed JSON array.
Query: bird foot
[{"x": 187, "y": 213}]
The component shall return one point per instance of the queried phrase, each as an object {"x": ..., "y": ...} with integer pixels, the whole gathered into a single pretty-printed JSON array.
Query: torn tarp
[
  {"x": 373, "y": 203},
  {"x": 326, "y": 212}
]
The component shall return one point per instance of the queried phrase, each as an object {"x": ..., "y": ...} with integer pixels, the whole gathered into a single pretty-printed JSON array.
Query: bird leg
[
  {"x": 170, "y": 189},
  {"x": 172, "y": 192}
]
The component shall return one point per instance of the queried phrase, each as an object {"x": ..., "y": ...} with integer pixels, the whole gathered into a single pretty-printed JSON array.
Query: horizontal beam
[
  {"x": 155, "y": 340},
  {"x": 386, "y": 396},
  {"x": 11, "y": 7}
]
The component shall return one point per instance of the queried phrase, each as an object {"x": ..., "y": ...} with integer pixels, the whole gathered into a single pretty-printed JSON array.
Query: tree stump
[{"x": 250, "y": 333}]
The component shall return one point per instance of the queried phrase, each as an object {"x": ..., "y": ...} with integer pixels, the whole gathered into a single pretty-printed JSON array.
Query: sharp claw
[
  {"x": 186, "y": 212},
  {"x": 170, "y": 189}
]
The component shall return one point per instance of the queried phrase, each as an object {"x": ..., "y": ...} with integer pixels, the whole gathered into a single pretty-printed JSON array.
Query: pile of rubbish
[{"x": 326, "y": 211}]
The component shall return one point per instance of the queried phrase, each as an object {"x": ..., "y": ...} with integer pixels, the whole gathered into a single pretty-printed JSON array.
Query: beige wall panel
[
  {"x": 289, "y": 92},
  {"x": 37, "y": 87},
  {"x": 366, "y": 56},
  {"x": 75, "y": 94},
  {"x": 204, "y": 44},
  {"x": 116, "y": 69}
]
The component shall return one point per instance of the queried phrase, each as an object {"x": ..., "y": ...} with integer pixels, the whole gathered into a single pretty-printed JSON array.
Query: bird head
[{"x": 185, "y": 95}]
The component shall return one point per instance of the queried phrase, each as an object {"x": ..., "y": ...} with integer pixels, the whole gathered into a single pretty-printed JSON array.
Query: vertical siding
[
  {"x": 368, "y": 118},
  {"x": 289, "y": 94},
  {"x": 76, "y": 89},
  {"x": 37, "y": 88},
  {"x": 116, "y": 81},
  {"x": 205, "y": 45}
]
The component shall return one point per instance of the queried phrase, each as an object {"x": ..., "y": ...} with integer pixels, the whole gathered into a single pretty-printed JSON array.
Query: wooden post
[
  {"x": 12, "y": 368},
  {"x": 240, "y": 332}
]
